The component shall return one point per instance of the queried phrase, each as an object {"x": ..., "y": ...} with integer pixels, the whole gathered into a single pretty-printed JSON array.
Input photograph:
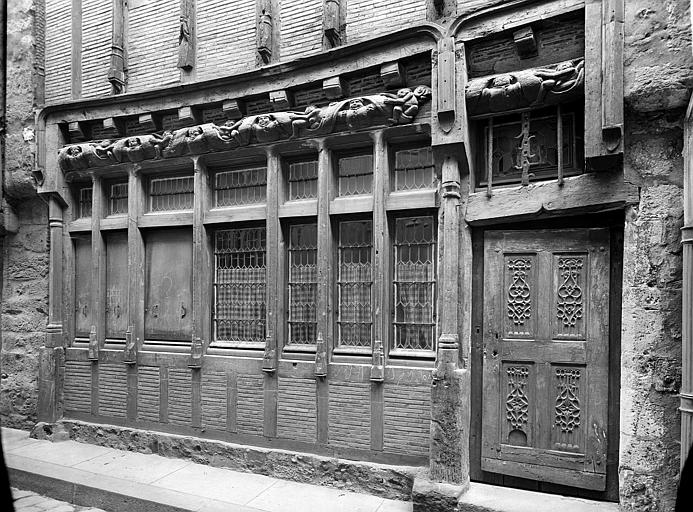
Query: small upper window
[
  {"x": 118, "y": 199},
  {"x": 85, "y": 195},
  {"x": 174, "y": 193},
  {"x": 414, "y": 169},
  {"x": 356, "y": 175},
  {"x": 240, "y": 186},
  {"x": 303, "y": 180}
]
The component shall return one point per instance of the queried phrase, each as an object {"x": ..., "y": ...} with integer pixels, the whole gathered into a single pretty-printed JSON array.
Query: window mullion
[
  {"x": 272, "y": 289},
  {"x": 381, "y": 189},
  {"x": 202, "y": 261},
  {"x": 136, "y": 199},
  {"x": 98, "y": 270}
]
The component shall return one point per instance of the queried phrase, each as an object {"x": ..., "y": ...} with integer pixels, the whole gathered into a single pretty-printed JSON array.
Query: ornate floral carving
[
  {"x": 567, "y": 400},
  {"x": 517, "y": 403},
  {"x": 351, "y": 114},
  {"x": 526, "y": 88},
  {"x": 519, "y": 293},
  {"x": 569, "y": 304}
]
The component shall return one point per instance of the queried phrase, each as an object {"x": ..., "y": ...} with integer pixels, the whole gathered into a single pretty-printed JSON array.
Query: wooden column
[
  {"x": 324, "y": 297},
  {"x": 50, "y": 354},
  {"x": 98, "y": 268},
  {"x": 136, "y": 198},
  {"x": 76, "y": 50},
  {"x": 202, "y": 257},
  {"x": 686, "y": 394},
  {"x": 186, "y": 38},
  {"x": 116, "y": 69}
]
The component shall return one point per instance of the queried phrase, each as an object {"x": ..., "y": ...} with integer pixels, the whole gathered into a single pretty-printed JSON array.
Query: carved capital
[
  {"x": 93, "y": 345},
  {"x": 451, "y": 189},
  {"x": 378, "y": 365},
  {"x": 269, "y": 359},
  {"x": 130, "y": 350},
  {"x": 196, "y": 350},
  {"x": 320, "y": 357}
]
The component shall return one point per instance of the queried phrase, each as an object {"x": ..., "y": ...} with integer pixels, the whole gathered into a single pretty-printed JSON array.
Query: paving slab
[
  {"x": 13, "y": 440},
  {"x": 137, "y": 467},
  {"x": 65, "y": 453}
]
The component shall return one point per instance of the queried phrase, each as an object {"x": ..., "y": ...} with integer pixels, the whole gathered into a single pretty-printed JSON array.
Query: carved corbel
[
  {"x": 269, "y": 359},
  {"x": 130, "y": 350},
  {"x": 116, "y": 69},
  {"x": 392, "y": 74},
  {"x": 78, "y": 131},
  {"x": 333, "y": 88},
  {"x": 186, "y": 35},
  {"x": 264, "y": 32},
  {"x": 93, "y": 354},
  {"x": 378, "y": 365},
  {"x": 189, "y": 114},
  {"x": 525, "y": 42},
  {"x": 195, "y": 353},
  {"x": 331, "y": 23},
  {"x": 232, "y": 109},
  {"x": 280, "y": 99},
  {"x": 320, "y": 357}
]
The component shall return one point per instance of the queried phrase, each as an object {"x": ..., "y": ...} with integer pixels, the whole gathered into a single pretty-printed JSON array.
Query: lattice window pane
[
  {"x": 166, "y": 194},
  {"x": 240, "y": 186},
  {"x": 355, "y": 281},
  {"x": 303, "y": 180},
  {"x": 414, "y": 169},
  {"x": 240, "y": 277},
  {"x": 303, "y": 283},
  {"x": 118, "y": 199},
  {"x": 355, "y": 175},
  {"x": 414, "y": 283},
  {"x": 85, "y": 195}
]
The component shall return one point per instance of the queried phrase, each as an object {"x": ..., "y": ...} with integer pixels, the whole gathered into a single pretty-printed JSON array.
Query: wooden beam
[
  {"x": 116, "y": 70},
  {"x": 76, "y": 50},
  {"x": 280, "y": 99},
  {"x": 98, "y": 262},
  {"x": 333, "y": 88},
  {"x": 232, "y": 108},
  {"x": 392, "y": 74},
  {"x": 272, "y": 291},
  {"x": 202, "y": 257},
  {"x": 136, "y": 200},
  {"x": 187, "y": 35},
  {"x": 585, "y": 193}
]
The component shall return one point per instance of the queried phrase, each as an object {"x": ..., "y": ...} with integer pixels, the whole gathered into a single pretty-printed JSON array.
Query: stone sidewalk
[
  {"x": 118, "y": 481},
  {"x": 27, "y": 501}
]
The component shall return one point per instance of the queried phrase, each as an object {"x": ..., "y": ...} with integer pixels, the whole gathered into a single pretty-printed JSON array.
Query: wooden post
[
  {"x": 686, "y": 393},
  {"x": 116, "y": 70},
  {"x": 186, "y": 36},
  {"x": 98, "y": 265},
  {"x": 135, "y": 258},
  {"x": 202, "y": 259},
  {"x": 269, "y": 360},
  {"x": 50, "y": 355},
  {"x": 381, "y": 187},
  {"x": 449, "y": 459}
]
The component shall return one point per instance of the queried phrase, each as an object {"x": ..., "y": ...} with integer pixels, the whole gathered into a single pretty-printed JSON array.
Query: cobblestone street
[{"x": 27, "y": 501}]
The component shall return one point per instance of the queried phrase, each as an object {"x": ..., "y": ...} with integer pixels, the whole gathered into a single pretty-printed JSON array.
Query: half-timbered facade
[{"x": 396, "y": 239}]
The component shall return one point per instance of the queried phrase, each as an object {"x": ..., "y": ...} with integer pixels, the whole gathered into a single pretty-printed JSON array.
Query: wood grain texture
[
  {"x": 249, "y": 405},
  {"x": 350, "y": 415},
  {"x": 297, "y": 409},
  {"x": 77, "y": 388},
  {"x": 214, "y": 402},
  {"x": 179, "y": 396},
  {"x": 113, "y": 390},
  {"x": 406, "y": 419},
  {"x": 148, "y": 393}
]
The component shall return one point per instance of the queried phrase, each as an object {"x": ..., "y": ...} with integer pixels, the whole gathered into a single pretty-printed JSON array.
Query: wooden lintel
[
  {"x": 392, "y": 74},
  {"x": 280, "y": 99},
  {"x": 579, "y": 194},
  {"x": 232, "y": 109},
  {"x": 332, "y": 87}
]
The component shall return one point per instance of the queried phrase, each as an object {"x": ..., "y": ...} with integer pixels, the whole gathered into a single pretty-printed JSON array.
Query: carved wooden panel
[
  {"x": 180, "y": 396},
  {"x": 407, "y": 419},
  {"x": 148, "y": 393},
  {"x": 350, "y": 415},
  {"x": 77, "y": 386},
  {"x": 113, "y": 390},
  {"x": 545, "y": 357},
  {"x": 214, "y": 400},
  {"x": 83, "y": 288},
  {"x": 249, "y": 406},
  {"x": 168, "y": 306},
  {"x": 116, "y": 285},
  {"x": 297, "y": 409}
]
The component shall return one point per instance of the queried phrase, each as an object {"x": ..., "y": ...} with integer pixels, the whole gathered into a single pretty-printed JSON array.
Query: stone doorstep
[
  {"x": 382, "y": 480},
  {"x": 476, "y": 497}
]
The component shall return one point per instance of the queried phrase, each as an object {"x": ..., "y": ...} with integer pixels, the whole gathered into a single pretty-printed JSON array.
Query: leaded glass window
[
  {"x": 303, "y": 180},
  {"x": 303, "y": 283},
  {"x": 414, "y": 283},
  {"x": 85, "y": 195},
  {"x": 240, "y": 186},
  {"x": 414, "y": 169},
  {"x": 174, "y": 193},
  {"x": 355, "y": 175},
  {"x": 355, "y": 280},
  {"x": 239, "y": 283},
  {"x": 118, "y": 199}
]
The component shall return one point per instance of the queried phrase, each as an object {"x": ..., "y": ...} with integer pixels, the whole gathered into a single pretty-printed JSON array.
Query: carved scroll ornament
[
  {"x": 527, "y": 88},
  {"x": 350, "y": 114}
]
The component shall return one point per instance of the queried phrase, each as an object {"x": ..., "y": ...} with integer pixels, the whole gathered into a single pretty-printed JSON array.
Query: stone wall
[
  {"x": 658, "y": 75},
  {"x": 25, "y": 250}
]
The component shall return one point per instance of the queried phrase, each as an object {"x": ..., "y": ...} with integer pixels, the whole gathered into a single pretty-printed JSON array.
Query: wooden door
[{"x": 545, "y": 359}]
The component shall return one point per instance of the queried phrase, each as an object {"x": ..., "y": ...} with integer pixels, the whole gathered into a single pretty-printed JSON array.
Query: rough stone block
[{"x": 429, "y": 496}]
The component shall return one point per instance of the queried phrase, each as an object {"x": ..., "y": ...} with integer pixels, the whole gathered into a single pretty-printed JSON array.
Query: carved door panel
[{"x": 545, "y": 369}]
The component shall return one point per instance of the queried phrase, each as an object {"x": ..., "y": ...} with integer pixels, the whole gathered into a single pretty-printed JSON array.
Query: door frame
[{"x": 615, "y": 222}]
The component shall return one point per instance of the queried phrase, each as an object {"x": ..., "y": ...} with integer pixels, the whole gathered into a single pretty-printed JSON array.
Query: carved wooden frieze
[
  {"x": 517, "y": 402},
  {"x": 526, "y": 88},
  {"x": 519, "y": 294},
  {"x": 346, "y": 115}
]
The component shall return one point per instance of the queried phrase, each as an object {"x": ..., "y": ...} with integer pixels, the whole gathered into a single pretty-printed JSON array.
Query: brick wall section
[
  {"x": 153, "y": 44},
  {"x": 225, "y": 37},
  {"x": 301, "y": 28},
  {"x": 97, "y": 20},
  {"x": 367, "y": 18},
  {"x": 58, "y": 50}
]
